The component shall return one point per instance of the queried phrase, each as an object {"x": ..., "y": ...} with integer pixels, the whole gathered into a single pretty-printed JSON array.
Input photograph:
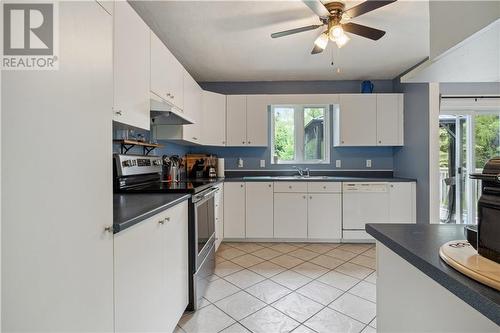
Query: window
[{"x": 300, "y": 134}]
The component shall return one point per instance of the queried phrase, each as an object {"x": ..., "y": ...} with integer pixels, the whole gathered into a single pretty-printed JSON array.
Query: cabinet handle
[
  {"x": 118, "y": 112},
  {"x": 168, "y": 94},
  {"x": 195, "y": 138},
  {"x": 172, "y": 96},
  {"x": 342, "y": 141},
  {"x": 304, "y": 196},
  {"x": 249, "y": 142},
  {"x": 310, "y": 197},
  {"x": 161, "y": 222},
  {"x": 241, "y": 185},
  {"x": 243, "y": 142},
  {"x": 108, "y": 228},
  {"x": 380, "y": 141},
  {"x": 269, "y": 185},
  {"x": 392, "y": 185},
  {"x": 324, "y": 187},
  {"x": 223, "y": 142}
]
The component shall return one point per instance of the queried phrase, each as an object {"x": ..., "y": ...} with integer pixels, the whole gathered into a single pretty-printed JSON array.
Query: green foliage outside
[
  {"x": 487, "y": 143},
  {"x": 284, "y": 140},
  {"x": 284, "y": 136}
]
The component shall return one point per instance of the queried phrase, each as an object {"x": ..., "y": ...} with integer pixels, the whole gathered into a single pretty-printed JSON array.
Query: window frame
[{"x": 299, "y": 145}]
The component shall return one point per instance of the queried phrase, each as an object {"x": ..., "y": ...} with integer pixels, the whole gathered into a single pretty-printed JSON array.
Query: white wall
[{"x": 453, "y": 21}]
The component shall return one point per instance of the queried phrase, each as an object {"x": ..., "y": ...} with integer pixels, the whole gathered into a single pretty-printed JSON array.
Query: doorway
[{"x": 468, "y": 139}]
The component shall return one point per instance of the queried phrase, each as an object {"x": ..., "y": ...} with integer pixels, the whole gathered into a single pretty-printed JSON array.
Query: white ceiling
[{"x": 230, "y": 40}]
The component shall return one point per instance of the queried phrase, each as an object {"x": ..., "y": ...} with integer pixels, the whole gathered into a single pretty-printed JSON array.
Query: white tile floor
[{"x": 285, "y": 287}]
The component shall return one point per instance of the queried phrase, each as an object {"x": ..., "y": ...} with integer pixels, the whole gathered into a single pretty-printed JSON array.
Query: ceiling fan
[{"x": 336, "y": 18}]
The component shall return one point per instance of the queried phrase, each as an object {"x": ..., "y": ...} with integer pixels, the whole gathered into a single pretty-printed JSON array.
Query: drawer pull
[{"x": 289, "y": 186}]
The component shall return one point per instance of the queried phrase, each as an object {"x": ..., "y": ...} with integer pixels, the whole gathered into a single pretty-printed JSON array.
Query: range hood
[{"x": 163, "y": 113}]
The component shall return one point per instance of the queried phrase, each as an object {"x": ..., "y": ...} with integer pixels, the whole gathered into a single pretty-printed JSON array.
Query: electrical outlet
[
  {"x": 262, "y": 163},
  {"x": 240, "y": 162},
  {"x": 368, "y": 163},
  {"x": 338, "y": 163}
]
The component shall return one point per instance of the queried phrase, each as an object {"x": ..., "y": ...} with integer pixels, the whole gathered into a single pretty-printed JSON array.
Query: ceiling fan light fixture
[
  {"x": 321, "y": 41},
  {"x": 336, "y": 31},
  {"x": 342, "y": 40}
]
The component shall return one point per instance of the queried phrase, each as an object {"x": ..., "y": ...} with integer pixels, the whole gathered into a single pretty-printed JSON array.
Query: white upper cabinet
[
  {"x": 355, "y": 120},
  {"x": 193, "y": 105},
  {"x": 214, "y": 119},
  {"x": 369, "y": 120},
  {"x": 131, "y": 62},
  {"x": 257, "y": 120},
  {"x": 390, "y": 119},
  {"x": 236, "y": 110},
  {"x": 167, "y": 74},
  {"x": 247, "y": 120}
]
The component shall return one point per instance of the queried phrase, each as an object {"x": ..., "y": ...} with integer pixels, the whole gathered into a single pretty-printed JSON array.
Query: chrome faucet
[{"x": 301, "y": 171}]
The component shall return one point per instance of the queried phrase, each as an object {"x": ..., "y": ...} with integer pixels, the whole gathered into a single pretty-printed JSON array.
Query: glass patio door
[{"x": 467, "y": 141}]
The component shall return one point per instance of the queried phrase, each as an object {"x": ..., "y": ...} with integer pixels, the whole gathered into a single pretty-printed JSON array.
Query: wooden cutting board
[{"x": 464, "y": 258}]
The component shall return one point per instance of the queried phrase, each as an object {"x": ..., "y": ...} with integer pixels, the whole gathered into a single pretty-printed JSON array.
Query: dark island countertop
[
  {"x": 419, "y": 245},
  {"x": 130, "y": 209}
]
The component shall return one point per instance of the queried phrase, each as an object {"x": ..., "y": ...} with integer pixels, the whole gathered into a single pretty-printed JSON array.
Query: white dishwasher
[{"x": 364, "y": 203}]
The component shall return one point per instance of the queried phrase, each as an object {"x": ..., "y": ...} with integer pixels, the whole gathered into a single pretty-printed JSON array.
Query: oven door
[{"x": 204, "y": 219}]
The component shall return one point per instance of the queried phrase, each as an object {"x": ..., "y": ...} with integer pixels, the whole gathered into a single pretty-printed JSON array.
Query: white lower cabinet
[
  {"x": 234, "y": 210},
  {"x": 151, "y": 272},
  {"x": 402, "y": 203},
  {"x": 219, "y": 216},
  {"x": 259, "y": 210},
  {"x": 290, "y": 215},
  {"x": 324, "y": 216}
]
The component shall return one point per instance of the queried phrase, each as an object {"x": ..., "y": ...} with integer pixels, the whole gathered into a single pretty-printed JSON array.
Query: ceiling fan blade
[
  {"x": 295, "y": 31},
  {"x": 317, "y": 7},
  {"x": 366, "y": 7},
  {"x": 316, "y": 50},
  {"x": 363, "y": 31}
]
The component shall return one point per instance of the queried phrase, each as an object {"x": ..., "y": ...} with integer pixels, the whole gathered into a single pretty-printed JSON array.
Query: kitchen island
[{"x": 418, "y": 292}]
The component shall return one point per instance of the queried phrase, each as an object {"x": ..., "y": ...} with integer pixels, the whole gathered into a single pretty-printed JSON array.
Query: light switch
[
  {"x": 368, "y": 163},
  {"x": 338, "y": 163},
  {"x": 262, "y": 163}
]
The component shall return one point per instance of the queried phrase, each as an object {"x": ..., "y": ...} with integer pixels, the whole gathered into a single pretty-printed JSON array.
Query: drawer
[
  {"x": 324, "y": 187},
  {"x": 291, "y": 187}
]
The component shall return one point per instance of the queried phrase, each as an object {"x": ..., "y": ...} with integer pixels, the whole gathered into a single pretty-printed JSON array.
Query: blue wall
[
  {"x": 412, "y": 160},
  {"x": 352, "y": 158}
]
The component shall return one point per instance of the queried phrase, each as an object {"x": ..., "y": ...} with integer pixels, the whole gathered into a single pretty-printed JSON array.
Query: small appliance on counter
[
  {"x": 201, "y": 166},
  {"x": 488, "y": 209},
  {"x": 172, "y": 167}
]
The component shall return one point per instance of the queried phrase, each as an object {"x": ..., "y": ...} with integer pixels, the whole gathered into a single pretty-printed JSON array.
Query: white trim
[{"x": 433, "y": 153}]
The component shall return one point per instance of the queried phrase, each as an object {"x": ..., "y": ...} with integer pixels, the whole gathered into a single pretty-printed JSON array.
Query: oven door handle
[{"x": 200, "y": 197}]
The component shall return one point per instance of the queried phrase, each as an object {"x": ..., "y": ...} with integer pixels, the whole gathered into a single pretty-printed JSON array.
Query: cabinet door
[
  {"x": 234, "y": 210},
  {"x": 357, "y": 119},
  {"x": 402, "y": 202},
  {"x": 290, "y": 215},
  {"x": 389, "y": 119},
  {"x": 214, "y": 119},
  {"x": 193, "y": 108},
  {"x": 324, "y": 216},
  {"x": 236, "y": 130},
  {"x": 140, "y": 276},
  {"x": 259, "y": 210},
  {"x": 257, "y": 120},
  {"x": 175, "y": 265},
  {"x": 131, "y": 61},
  {"x": 167, "y": 74},
  {"x": 219, "y": 216}
]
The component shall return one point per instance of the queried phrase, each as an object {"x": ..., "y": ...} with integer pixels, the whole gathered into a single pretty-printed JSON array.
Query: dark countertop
[
  {"x": 130, "y": 209},
  {"x": 419, "y": 245},
  {"x": 315, "y": 179}
]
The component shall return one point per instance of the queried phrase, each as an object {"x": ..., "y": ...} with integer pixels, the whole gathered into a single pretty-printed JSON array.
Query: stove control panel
[{"x": 128, "y": 165}]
